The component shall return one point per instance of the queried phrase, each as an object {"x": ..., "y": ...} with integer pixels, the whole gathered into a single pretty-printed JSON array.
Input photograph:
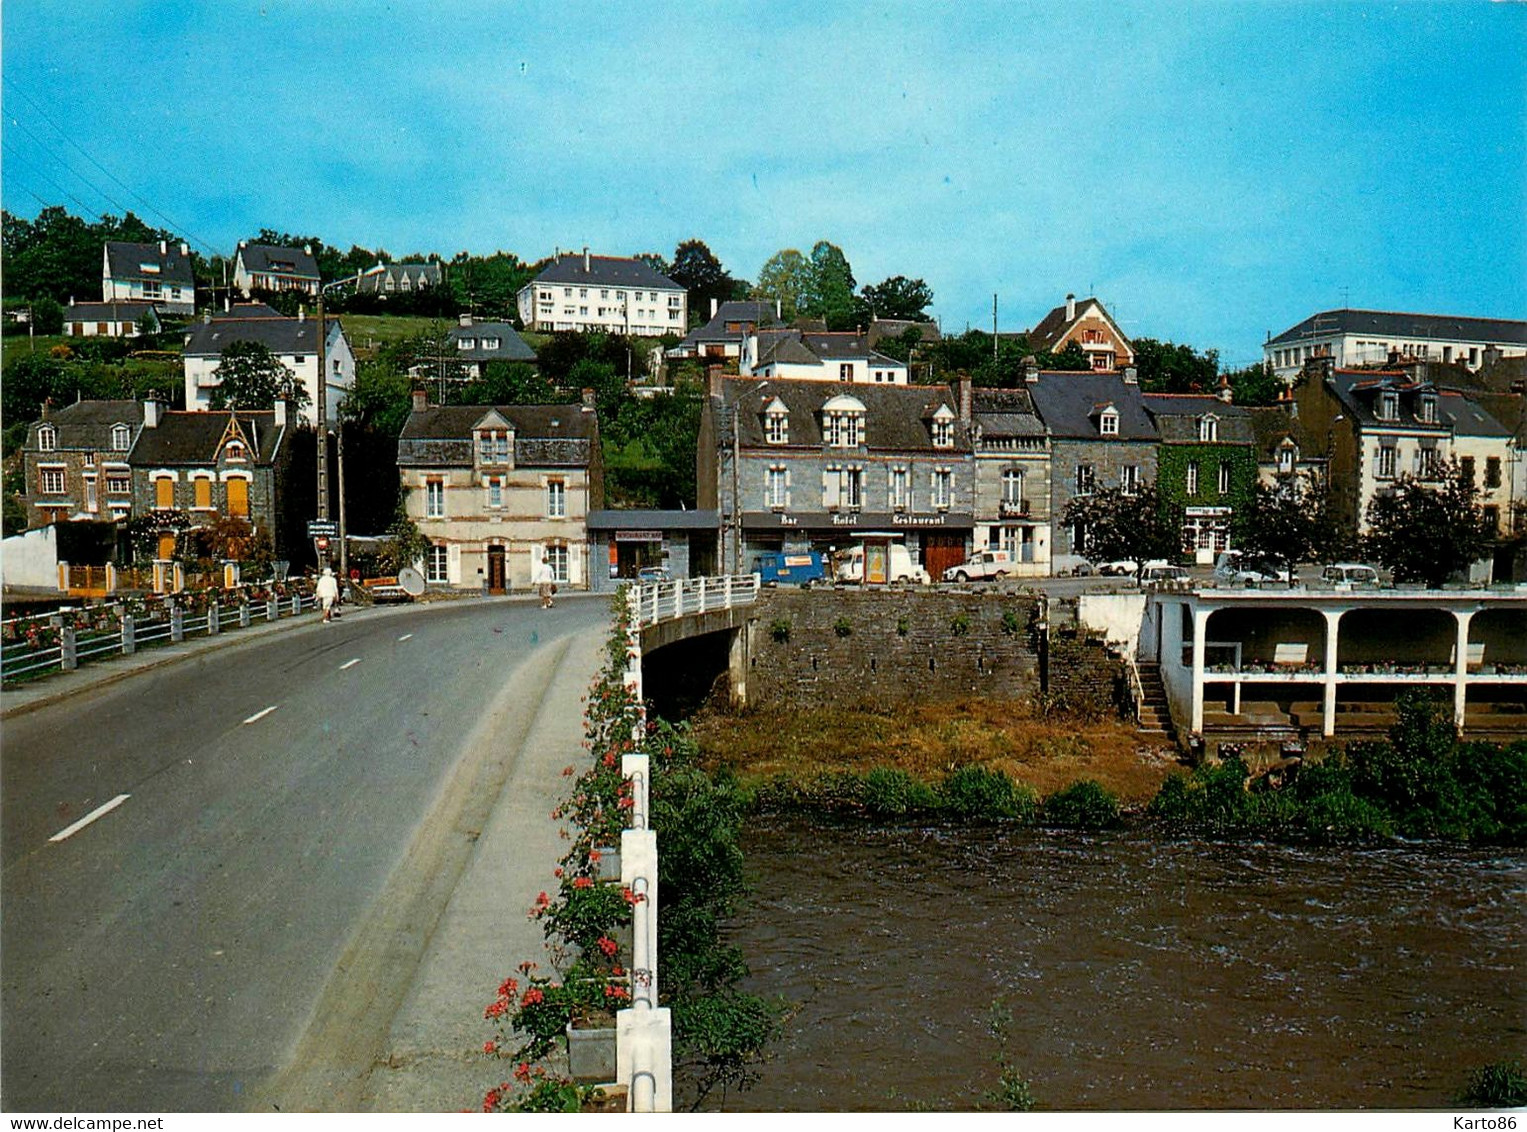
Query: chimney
[
  {"x": 1030, "y": 370},
  {"x": 164, "y": 248},
  {"x": 585, "y": 259},
  {"x": 1131, "y": 376},
  {"x": 588, "y": 401},
  {"x": 184, "y": 250},
  {"x": 47, "y": 407},
  {"x": 421, "y": 400},
  {"x": 1225, "y": 394},
  {"x": 715, "y": 375},
  {"x": 962, "y": 394},
  {"x": 280, "y": 411},
  {"x": 1070, "y": 308},
  {"x": 779, "y": 310},
  {"x": 466, "y": 319},
  {"x": 153, "y": 411},
  {"x": 714, "y": 303},
  {"x": 307, "y": 249}
]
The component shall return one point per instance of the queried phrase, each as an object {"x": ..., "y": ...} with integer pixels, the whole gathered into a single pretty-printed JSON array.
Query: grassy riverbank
[{"x": 930, "y": 741}]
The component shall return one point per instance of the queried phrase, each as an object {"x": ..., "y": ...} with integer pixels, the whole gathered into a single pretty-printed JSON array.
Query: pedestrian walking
[
  {"x": 327, "y": 593},
  {"x": 546, "y": 583}
]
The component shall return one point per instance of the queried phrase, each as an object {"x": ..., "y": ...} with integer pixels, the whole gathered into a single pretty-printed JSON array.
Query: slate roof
[
  {"x": 118, "y": 311},
  {"x": 756, "y": 312},
  {"x": 454, "y": 422},
  {"x": 807, "y": 347},
  {"x": 1176, "y": 416},
  {"x": 897, "y": 417},
  {"x": 512, "y": 348},
  {"x": 605, "y": 271},
  {"x": 267, "y": 259},
  {"x": 895, "y": 327},
  {"x": 126, "y": 261},
  {"x": 1005, "y": 412},
  {"x": 1068, "y": 403},
  {"x": 1395, "y": 324},
  {"x": 1467, "y": 416},
  {"x": 653, "y": 520},
  {"x": 1358, "y": 391},
  {"x": 374, "y": 280},
  {"x": 193, "y": 438},
  {"x": 277, "y": 334},
  {"x": 1271, "y": 423},
  {"x": 87, "y": 424}
]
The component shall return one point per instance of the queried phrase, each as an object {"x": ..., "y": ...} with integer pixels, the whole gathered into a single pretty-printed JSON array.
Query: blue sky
[{"x": 1211, "y": 171}]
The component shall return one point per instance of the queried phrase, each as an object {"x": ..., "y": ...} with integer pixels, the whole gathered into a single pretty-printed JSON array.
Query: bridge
[{"x": 666, "y": 613}]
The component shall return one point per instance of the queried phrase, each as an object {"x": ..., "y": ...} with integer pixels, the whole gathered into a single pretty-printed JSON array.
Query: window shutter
[
  {"x": 453, "y": 564},
  {"x": 830, "y": 488}
]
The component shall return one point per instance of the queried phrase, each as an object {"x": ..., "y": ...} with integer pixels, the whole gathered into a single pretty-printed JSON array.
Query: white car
[
  {"x": 1160, "y": 572},
  {"x": 898, "y": 562},
  {"x": 1119, "y": 566},
  {"x": 981, "y": 564},
  {"x": 1235, "y": 569},
  {"x": 1346, "y": 575}
]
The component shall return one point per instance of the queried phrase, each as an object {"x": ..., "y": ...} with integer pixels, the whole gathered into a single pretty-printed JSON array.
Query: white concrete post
[
  {"x": 129, "y": 634},
  {"x": 271, "y": 612},
  {"x": 644, "y": 1058},
  {"x": 1328, "y": 707},
  {"x": 1461, "y": 667},
  {"x": 702, "y": 594},
  {"x": 68, "y": 658},
  {"x": 244, "y": 615},
  {"x": 177, "y": 622},
  {"x": 214, "y": 618},
  {"x": 729, "y": 591},
  {"x": 1200, "y": 634}
]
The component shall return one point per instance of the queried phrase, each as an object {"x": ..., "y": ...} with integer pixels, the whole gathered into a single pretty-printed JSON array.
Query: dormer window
[
  {"x": 121, "y": 438},
  {"x": 492, "y": 446},
  {"x": 47, "y": 438},
  {"x": 490, "y": 343},
  {"x": 1108, "y": 422},
  {"x": 777, "y": 426},
  {"x": 1286, "y": 458},
  {"x": 843, "y": 422},
  {"x": 1389, "y": 405},
  {"x": 234, "y": 451},
  {"x": 943, "y": 428},
  {"x": 1208, "y": 428},
  {"x": 1426, "y": 409}
]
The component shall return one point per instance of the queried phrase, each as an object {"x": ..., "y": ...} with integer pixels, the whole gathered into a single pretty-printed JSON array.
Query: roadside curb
[{"x": 21, "y": 701}]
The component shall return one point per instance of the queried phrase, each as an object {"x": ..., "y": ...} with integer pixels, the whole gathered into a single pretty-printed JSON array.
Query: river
[{"x": 1141, "y": 973}]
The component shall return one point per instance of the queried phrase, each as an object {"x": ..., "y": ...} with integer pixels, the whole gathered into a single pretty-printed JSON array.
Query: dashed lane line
[
  {"x": 349, "y": 664},
  {"x": 405, "y": 636},
  {"x": 98, "y": 812},
  {"x": 259, "y": 715}
]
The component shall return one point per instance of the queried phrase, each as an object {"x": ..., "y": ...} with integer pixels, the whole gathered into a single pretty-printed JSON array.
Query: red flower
[
  {"x": 508, "y": 988},
  {"x": 556, "y": 872},
  {"x": 533, "y": 997},
  {"x": 496, "y": 1009},
  {"x": 632, "y": 898},
  {"x": 567, "y": 771},
  {"x": 582, "y": 882},
  {"x": 617, "y": 993},
  {"x": 608, "y": 946},
  {"x": 593, "y": 856},
  {"x": 522, "y": 1072},
  {"x": 490, "y": 1047},
  {"x": 490, "y": 1099}
]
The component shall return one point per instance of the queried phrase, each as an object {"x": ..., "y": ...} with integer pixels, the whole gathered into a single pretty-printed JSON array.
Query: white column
[
  {"x": 1328, "y": 708},
  {"x": 1200, "y": 634},
  {"x": 1461, "y": 667}
]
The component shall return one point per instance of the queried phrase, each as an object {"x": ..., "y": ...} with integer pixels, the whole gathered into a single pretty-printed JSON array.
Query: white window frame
[
  {"x": 437, "y": 563},
  {"x": 1012, "y": 485},
  {"x": 556, "y": 499},
  {"x": 777, "y": 487},
  {"x": 1387, "y": 463},
  {"x": 47, "y": 439},
  {"x": 852, "y": 492},
  {"x": 434, "y": 498},
  {"x": 1208, "y": 428},
  {"x": 777, "y": 428},
  {"x": 1190, "y": 486},
  {"x": 493, "y": 496},
  {"x": 555, "y": 555},
  {"x": 121, "y": 438},
  {"x": 1129, "y": 479},
  {"x": 48, "y": 477},
  {"x": 943, "y": 434},
  {"x": 943, "y": 488},
  {"x": 1108, "y": 423},
  {"x": 1224, "y": 478},
  {"x": 1086, "y": 479},
  {"x": 900, "y": 489}
]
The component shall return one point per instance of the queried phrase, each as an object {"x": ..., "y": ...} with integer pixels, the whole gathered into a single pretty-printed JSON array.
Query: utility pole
[
  {"x": 994, "y": 328},
  {"x": 320, "y": 415},
  {"x": 344, "y": 546}
]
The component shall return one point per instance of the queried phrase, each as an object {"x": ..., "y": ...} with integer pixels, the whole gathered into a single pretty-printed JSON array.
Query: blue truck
[{"x": 802, "y": 569}]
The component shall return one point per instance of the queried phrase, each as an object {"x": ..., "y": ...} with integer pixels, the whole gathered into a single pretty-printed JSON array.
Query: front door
[
  {"x": 495, "y": 569},
  {"x": 942, "y": 551}
]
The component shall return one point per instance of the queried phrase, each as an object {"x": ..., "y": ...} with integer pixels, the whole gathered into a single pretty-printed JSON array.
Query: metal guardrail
[
  {"x": 667, "y": 601},
  {"x": 40, "y": 645}
]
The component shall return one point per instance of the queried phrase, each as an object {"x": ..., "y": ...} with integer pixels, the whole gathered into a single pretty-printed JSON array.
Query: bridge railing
[{"x": 666, "y": 601}]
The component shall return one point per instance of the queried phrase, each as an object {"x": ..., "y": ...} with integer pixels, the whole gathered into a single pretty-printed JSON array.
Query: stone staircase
[{"x": 1155, "y": 716}]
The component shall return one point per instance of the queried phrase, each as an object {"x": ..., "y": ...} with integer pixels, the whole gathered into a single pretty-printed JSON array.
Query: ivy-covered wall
[{"x": 1172, "y": 475}]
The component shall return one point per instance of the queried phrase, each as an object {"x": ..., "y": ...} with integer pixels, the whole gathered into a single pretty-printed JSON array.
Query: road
[{"x": 277, "y": 806}]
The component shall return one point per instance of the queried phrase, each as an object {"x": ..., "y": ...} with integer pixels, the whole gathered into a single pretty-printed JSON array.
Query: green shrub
[
  {"x": 1501, "y": 1084},
  {"x": 978, "y": 792},
  {"x": 1212, "y": 800},
  {"x": 1011, "y": 622},
  {"x": 1082, "y": 805},
  {"x": 903, "y": 626},
  {"x": 843, "y": 627},
  {"x": 779, "y": 629},
  {"x": 960, "y": 624},
  {"x": 889, "y": 792}
]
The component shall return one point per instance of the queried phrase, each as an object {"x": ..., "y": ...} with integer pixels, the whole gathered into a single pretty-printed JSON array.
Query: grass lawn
[
  {"x": 928, "y": 741},
  {"x": 369, "y": 332}
]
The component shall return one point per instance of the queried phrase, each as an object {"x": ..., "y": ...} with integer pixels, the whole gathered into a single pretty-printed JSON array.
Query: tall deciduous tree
[
  {"x": 786, "y": 278},
  {"x": 898, "y": 297},
  {"x": 251, "y": 377},
  {"x": 1117, "y": 525},
  {"x": 1427, "y": 531},
  {"x": 830, "y": 291},
  {"x": 698, "y": 271},
  {"x": 1166, "y": 367},
  {"x": 1288, "y": 522}
]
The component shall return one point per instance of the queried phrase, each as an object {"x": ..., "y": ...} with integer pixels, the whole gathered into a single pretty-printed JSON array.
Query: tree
[
  {"x": 1255, "y": 385},
  {"x": 1165, "y": 367},
  {"x": 700, "y": 273},
  {"x": 830, "y": 287},
  {"x": 1426, "y": 531},
  {"x": 1114, "y": 524},
  {"x": 251, "y": 377},
  {"x": 898, "y": 297},
  {"x": 1288, "y": 522},
  {"x": 785, "y": 277}
]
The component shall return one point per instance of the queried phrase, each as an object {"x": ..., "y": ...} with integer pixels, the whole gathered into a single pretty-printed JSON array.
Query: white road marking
[
  {"x": 259, "y": 715},
  {"x": 405, "y": 636},
  {"x": 349, "y": 664},
  {"x": 99, "y": 811}
]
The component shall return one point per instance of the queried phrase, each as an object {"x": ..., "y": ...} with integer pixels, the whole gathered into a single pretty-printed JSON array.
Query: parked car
[
  {"x": 1160, "y": 572},
  {"x": 900, "y": 568},
  {"x": 1350, "y": 574},
  {"x": 981, "y": 564},
  {"x": 791, "y": 569},
  {"x": 649, "y": 574},
  {"x": 1119, "y": 566},
  {"x": 1234, "y": 568}
]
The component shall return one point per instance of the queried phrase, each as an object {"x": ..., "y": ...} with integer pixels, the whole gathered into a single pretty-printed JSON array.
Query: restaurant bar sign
[
  {"x": 638, "y": 536},
  {"x": 855, "y": 520}
]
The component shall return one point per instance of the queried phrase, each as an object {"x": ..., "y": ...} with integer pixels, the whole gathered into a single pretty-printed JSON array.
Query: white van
[
  {"x": 900, "y": 568},
  {"x": 1347, "y": 575}
]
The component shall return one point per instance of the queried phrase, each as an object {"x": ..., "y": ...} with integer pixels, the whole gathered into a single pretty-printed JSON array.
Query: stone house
[
  {"x": 294, "y": 342},
  {"x": 501, "y": 489},
  {"x": 1207, "y": 461},
  {"x": 387, "y": 279},
  {"x": 75, "y": 461},
  {"x": 149, "y": 273},
  {"x": 1100, "y": 436},
  {"x": 1012, "y": 469},
  {"x": 795, "y": 466},
  {"x": 721, "y": 338}
]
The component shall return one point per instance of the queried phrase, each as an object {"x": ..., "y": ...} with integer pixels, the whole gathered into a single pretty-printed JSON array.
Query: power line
[
  {"x": 49, "y": 204},
  {"x": 70, "y": 169},
  {"x": 180, "y": 228}
]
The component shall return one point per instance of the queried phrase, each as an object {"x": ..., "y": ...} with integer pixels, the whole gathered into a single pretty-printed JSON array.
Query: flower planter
[{"x": 591, "y": 1050}]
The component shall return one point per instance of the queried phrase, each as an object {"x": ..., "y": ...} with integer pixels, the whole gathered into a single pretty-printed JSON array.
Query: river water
[{"x": 1141, "y": 973}]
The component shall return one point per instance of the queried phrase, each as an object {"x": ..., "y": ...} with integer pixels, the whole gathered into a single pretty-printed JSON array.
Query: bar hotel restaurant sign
[{"x": 852, "y": 520}]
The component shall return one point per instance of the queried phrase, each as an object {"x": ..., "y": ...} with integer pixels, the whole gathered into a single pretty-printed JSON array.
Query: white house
[
  {"x": 293, "y": 340},
  {"x": 264, "y": 267},
  {"x": 110, "y": 319},
  {"x": 149, "y": 273},
  {"x": 593, "y": 292},
  {"x": 812, "y": 356},
  {"x": 1371, "y": 338}
]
